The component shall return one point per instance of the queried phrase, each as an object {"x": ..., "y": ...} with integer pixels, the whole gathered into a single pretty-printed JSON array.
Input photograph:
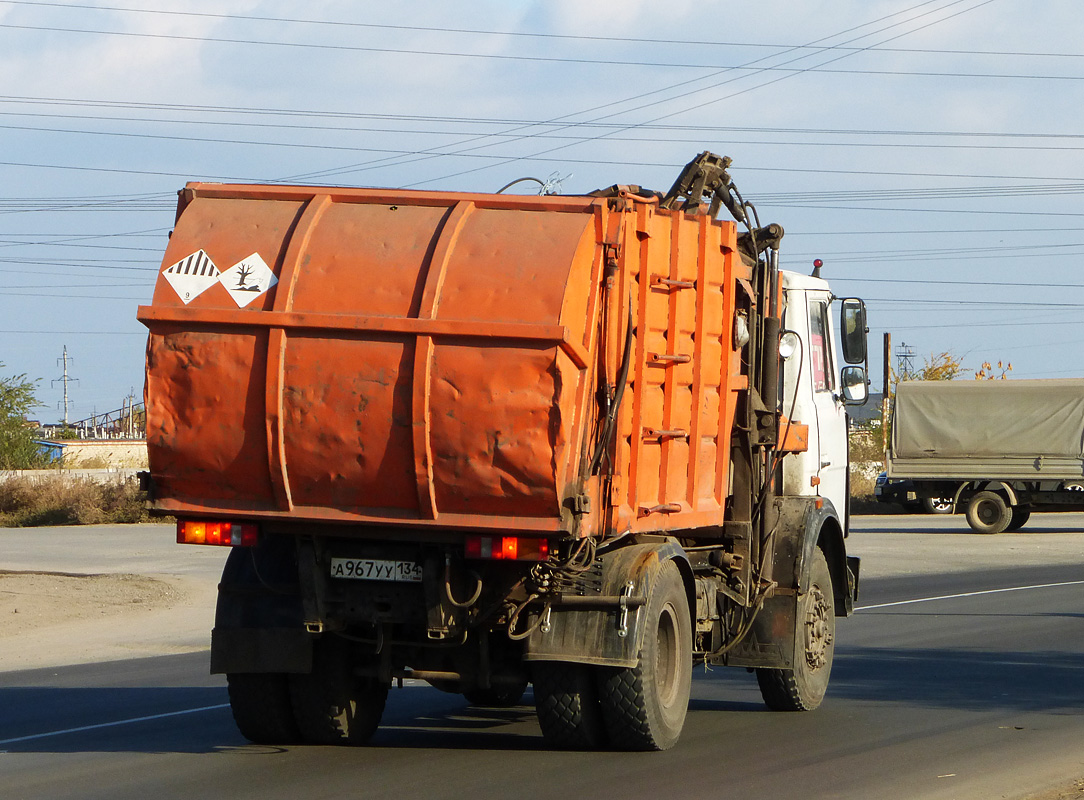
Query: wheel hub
[{"x": 818, "y": 633}]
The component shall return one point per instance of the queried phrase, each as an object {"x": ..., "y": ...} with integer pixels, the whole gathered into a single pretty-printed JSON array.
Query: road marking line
[
  {"x": 168, "y": 714},
  {"x": 113, "y": 724},
  {"x": 966, "y": 594}
]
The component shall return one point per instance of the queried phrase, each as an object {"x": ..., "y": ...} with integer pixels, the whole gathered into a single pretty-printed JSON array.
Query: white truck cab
[{"x": 819, "y": 381}]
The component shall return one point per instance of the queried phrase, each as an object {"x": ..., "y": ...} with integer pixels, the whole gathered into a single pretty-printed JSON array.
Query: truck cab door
[
  {"x": 811, "y": 394},
  {"x": 828, "y": 404}
]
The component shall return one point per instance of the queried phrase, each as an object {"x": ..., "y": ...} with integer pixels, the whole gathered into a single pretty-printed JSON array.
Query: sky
[{"x": 929, "y": 153}]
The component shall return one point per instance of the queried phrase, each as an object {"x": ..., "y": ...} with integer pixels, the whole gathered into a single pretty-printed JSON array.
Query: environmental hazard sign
[
  {"x": 244, "y": 281},
  {"x": 248, "y": 279}
]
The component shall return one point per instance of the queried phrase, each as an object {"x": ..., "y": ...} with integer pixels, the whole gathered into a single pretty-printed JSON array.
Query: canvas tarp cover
[{"x": 977, "y": 419}]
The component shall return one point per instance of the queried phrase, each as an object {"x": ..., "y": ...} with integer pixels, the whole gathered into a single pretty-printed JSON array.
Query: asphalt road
[{"x": 962, "y": 676}]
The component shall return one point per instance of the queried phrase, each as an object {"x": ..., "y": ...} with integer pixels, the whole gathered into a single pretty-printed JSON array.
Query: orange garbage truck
[{"x": 487, "y": 441}]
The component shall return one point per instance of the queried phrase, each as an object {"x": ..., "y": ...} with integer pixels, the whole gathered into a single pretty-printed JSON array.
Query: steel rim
[
  {"x": 666, "y": 657},
  {"x": 988, "y": 512},
  {"x": 818, "y": 630}
]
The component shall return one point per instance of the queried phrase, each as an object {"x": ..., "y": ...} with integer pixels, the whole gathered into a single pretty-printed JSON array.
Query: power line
[
  {"x": 989, "y": 284},
  {"x": 986, "y": 303},
  {"x": 939, "y": 211},
  {"x": 414, "y": 52},
  {"x": 695, "y": 131},
  {"x": 574, "y": 139},
  {"x": 667, "y": 90},
  {"x": 601, "y": 123},
  {"x": 955, "y": 325},
  {"x": 774, "y": 80},
  {"x": 531, "y": 35},
  {"x": 929, "y": 232}
]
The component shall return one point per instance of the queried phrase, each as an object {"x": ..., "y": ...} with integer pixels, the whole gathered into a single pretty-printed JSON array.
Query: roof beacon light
[{"x": 228, "y": 534}]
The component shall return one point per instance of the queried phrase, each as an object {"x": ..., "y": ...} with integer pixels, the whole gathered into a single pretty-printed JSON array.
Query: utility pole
[
  {"x": 65, "y": 380},
  {"x": 129, "y": 426},
  {"x": 884, "y": 392}
]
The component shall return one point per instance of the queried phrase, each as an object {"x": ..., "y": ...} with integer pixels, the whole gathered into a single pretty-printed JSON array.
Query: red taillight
[
  {"x": 228, "y": 534},
  {"x": 507, "y": 548}
]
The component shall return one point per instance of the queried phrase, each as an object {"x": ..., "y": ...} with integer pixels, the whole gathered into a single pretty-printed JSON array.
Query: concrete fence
[{"x": 114, "y": 475}]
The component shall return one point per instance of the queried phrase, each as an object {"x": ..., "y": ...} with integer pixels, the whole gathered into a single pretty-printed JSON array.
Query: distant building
[{"x": 96, "y": 453}]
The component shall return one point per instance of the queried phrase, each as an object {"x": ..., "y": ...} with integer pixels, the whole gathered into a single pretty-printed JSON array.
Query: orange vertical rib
[
  {"x": 706, "y": 231},
  {"x": 423, "y": 358},
  {"x": 276, "y": 349}
]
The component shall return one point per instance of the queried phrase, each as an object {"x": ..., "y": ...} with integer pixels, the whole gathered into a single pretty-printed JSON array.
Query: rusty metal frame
[{"x": 226, "y": 191}]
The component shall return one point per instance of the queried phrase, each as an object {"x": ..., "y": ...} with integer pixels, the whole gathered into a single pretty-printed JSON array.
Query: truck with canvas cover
[
  {"x": 487, "y": 441},
  {"x": 996, "y": 449}
]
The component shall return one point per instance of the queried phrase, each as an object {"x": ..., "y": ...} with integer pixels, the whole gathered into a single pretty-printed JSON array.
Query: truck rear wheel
[
  {"x": 1020, "y": 516},
  {"x": 331, "y": 704},
  {"x": 566, "y": 700},
  {"x": 987, "y": 512},
  {"x": 802, "y": 688},
  {"x": 261, "y": 707},
  {"x": 644, "y": 707}
]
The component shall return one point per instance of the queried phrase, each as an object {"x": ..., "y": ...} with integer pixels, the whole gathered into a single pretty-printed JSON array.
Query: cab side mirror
[
  {"x": 852, "y": 327},
  {"x": 855, "y": 385}
]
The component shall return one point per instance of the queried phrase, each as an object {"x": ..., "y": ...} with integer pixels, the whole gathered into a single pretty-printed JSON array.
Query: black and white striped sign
[{"x": 191, "y": 276}]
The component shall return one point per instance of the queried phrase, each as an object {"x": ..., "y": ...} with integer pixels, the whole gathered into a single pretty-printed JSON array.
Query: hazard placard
[
  {"x": 191, "y": 276},
  {"x": 248, "y": 279}
]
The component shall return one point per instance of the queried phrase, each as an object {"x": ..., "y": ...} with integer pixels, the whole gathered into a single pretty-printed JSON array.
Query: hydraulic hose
[{"x": 619, "y": 392}]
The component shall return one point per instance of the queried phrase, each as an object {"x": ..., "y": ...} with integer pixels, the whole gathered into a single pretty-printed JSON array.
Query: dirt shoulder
[
  {"x": 30, "y": 601},
  {"x": 75, "y": 595},
  {"x": 49, "y": 620}
]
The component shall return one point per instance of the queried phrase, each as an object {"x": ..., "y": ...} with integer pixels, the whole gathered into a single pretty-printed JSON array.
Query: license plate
[{"x": 376, "y": 569}]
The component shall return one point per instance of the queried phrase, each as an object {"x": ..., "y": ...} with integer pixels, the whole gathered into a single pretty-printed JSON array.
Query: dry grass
[{"x": 62, "y": 500}]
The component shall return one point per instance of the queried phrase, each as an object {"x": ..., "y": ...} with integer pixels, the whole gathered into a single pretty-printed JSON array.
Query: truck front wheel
[
  {"x": 802, "y": 688},
  {"x": 331, "y": 704},
  {"x": 987, "y": 512},
  {"x": 644, "y": 707}
]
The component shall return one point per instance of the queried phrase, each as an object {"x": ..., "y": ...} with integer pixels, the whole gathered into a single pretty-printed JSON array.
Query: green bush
[{"x": 18, "y": 450}]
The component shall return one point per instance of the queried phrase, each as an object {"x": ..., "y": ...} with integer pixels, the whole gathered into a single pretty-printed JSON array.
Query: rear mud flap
[
  {"x": 770, "y": 642},
  {"x": 250, "y": 650},
  {"x": 611, "y": 636}
]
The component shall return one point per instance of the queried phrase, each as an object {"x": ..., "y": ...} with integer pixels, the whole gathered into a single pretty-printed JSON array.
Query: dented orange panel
[
  {"x": 425, "y": 359},
  {"x": 416, "y": 357}
]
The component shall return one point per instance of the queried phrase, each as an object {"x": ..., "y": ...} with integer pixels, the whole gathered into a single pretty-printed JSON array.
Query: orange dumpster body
[{"x": 433, "y": 361}]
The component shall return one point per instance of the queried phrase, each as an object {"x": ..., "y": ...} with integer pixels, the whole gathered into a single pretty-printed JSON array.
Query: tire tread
[
  {"x": 567, "y": 705},
  {"x": 260, "y": 703}
]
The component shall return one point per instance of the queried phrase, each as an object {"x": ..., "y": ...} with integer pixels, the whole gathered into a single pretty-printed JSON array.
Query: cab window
[{"x": 820, "y": 347}]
